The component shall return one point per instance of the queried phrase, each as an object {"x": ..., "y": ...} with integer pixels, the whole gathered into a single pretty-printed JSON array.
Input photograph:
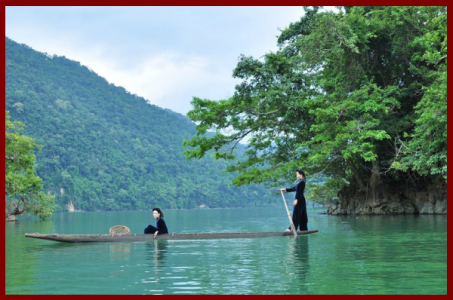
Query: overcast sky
[{"x": 166, "y": 55}]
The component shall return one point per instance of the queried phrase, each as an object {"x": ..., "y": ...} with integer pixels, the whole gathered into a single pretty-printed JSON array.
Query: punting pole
[{"x": 289, "y": 216}]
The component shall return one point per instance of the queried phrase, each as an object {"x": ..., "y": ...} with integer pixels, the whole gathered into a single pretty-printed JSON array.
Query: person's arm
[
  {"x": 287, "y": 190},
  {"x": 159, "y": 225}
]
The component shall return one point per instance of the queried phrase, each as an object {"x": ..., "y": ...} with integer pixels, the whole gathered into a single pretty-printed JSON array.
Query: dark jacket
[
  {"x": 161, "y": 226},
  {"x": 299, "y": 189}
]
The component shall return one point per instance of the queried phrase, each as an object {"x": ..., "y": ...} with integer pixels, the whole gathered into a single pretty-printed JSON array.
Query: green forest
[
  {"x": 103, "y": 148},
  {"x": 358, "y": 95}
]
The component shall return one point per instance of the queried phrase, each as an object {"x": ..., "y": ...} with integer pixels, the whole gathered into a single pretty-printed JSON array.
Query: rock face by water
[
  {"x": 11, "y": 218},
  {"x": 424, "y": 196}
]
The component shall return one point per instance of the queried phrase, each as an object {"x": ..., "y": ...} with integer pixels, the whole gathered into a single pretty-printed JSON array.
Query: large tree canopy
[
  {"x": 22, "y": 186},
  {"x": 359, "y": 96}
]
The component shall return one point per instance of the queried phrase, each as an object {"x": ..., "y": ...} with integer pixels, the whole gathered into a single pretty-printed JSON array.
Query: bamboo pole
[{"x": 289, "y": 216}]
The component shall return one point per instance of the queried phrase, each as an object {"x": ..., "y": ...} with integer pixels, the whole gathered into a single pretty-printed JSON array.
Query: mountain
[{"x": 107, "y": 149}]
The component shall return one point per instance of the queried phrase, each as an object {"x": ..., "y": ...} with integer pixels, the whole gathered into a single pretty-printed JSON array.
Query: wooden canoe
[{"x": 86, "y": 238}]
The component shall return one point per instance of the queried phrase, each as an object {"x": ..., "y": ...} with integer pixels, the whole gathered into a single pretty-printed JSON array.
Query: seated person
[{"x": 161, "y": 227}]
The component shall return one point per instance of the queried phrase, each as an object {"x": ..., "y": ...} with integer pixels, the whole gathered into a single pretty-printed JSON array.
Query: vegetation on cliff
[{"x": 359, "y": 96}]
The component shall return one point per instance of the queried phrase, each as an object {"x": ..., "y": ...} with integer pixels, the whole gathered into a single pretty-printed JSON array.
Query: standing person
[
  {"x": 161, "y": 227},
  {"x": 300, "y": 218}
]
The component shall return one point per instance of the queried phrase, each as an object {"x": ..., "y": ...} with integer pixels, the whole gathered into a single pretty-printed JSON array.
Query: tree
[
  {"x": 358, "y": 96},
  {"x": 427, "y": 144},
  {"x": 22, "y": 186}
]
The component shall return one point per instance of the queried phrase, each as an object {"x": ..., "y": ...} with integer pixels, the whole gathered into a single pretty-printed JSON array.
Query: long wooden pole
[{"x": 289, "y": 216}]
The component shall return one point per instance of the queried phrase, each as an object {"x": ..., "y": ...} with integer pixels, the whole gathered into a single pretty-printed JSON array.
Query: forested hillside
[{"x": 107, "y": 149}]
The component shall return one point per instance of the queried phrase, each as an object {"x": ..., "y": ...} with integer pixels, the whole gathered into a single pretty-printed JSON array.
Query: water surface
[{"x": 349, "y": 255}]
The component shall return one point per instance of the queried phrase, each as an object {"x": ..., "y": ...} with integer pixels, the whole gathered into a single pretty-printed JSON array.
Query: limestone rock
[{"x": 427, "y": 196}]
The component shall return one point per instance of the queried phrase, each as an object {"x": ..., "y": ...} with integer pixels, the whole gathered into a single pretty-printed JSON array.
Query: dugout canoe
[{"x": 87, "y": 238}]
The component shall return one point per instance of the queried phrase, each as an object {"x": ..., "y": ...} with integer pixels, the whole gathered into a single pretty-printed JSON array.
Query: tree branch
[
  {"x": 17, "y": 210},
  {"x": 440, "y": 59}
]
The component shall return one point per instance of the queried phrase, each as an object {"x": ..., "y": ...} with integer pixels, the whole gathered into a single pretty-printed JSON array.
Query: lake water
[{"x": 349, "y": 255}]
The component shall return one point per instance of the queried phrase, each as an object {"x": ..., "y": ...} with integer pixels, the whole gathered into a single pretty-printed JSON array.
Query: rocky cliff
[{"x": 421, "y": 196}]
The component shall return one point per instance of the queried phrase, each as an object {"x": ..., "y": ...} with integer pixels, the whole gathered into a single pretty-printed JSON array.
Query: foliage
[
  {"x": 107, "y": 149},
  {"x": 427, "y": 145},
  {"x": 358, "y": 96},
  {"x": 22, "y": 186}
]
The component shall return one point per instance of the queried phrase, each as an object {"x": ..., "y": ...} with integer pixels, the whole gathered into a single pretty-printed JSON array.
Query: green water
[{"x": 349, "y": 255}]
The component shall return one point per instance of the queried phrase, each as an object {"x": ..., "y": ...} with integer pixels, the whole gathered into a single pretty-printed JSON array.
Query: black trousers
[
  {"x": 150, "y": 229},
  {"x": 300, "y": 218}
]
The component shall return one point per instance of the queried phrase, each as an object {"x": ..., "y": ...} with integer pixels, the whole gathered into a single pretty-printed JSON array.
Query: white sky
[{"x": 166, "y": 55}]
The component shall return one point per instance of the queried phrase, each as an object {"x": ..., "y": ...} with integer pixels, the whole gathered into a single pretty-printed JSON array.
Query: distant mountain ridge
[{"x": 107, "y": 149}]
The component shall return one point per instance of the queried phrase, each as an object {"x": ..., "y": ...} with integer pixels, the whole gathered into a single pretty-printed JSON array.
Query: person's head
[
  {"x": 157, "y": 213},
  {"x": 300, "y": 174}
]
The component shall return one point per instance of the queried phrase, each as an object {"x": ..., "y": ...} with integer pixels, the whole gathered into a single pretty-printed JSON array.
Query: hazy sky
[{"x": 165, "y": 54}]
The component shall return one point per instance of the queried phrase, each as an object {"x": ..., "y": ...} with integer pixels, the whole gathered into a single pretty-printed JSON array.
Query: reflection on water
[
  {"x": 301, "y": 260},
  {"x": 156, "y": 251},
  {"x": 237, "y": 266},
  {"x": 120, "y": 251}
]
